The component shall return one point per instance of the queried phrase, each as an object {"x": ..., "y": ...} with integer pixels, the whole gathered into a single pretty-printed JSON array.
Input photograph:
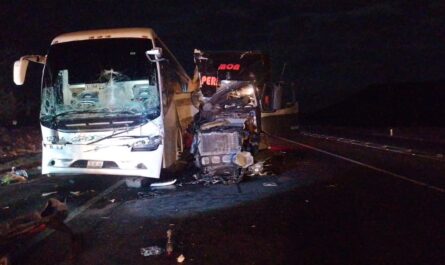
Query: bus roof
[{"x": 143, "y": 33}]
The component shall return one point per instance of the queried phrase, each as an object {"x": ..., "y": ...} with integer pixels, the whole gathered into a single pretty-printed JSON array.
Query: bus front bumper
[{"x": 101, "y": 160}]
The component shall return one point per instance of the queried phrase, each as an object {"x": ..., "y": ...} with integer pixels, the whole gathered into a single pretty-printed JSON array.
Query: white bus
[{"x": 107, "y": 103}]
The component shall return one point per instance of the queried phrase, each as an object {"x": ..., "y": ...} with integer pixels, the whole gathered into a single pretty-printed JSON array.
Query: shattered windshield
[
  {"x": 235, "y": 95},
  {"x": 100, "y": 78}
]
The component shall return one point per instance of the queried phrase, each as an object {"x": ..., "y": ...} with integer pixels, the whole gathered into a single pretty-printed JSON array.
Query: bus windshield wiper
[
  {"x": 110, "y": 136},
  {"x": 75, "y": 112},
  {"x": 121, "y": 132}
]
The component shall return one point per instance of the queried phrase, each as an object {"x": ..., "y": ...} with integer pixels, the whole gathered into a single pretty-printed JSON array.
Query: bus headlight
[{"x": 147, "y": 145}]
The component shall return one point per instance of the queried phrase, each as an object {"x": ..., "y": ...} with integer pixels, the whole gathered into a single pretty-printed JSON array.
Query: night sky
[{"x": 331, "y": 48}]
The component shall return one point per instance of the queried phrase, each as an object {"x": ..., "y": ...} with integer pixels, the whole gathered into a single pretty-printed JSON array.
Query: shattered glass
[{"x": 112, "y": 77}]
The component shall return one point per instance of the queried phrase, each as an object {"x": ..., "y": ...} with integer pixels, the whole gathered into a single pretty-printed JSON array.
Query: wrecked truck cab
[{"x": 228, "y": 125}]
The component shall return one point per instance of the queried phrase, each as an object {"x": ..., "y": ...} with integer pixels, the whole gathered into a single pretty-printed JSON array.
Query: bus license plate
[{"x": 95, "y": 164}]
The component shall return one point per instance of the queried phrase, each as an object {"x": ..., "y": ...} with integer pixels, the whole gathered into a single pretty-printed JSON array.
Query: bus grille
[{"x": 216, "y": 143}]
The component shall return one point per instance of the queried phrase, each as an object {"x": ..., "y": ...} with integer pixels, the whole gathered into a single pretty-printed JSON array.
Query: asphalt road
[{"x": 333, "y": 203}]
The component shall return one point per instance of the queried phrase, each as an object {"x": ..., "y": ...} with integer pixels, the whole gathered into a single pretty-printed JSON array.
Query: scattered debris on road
[
  {"x": 76, "y": 193},
  {"x": 180, "y": 258},
  {"x": 151, "y": 251},
  {"x": 46, "y": 194},
  {"x": 169, "y": 245},
  {"x": 133, "y": 182},
  {"x": 52, "y": 216},
  {"x": 14, "y": 176},
  {"x": 270, "y": 184},
  {"x": 256, "y": 169},
  {"x": 162, "y": 184}
]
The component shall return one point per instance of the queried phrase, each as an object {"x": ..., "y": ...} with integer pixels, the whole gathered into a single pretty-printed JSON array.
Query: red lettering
[
  {"x": 203, "y": 79},
  {"x": 214, "y": 82},
  {"x": 209, "y": 80},
  {"x": 229, "y": 66}
]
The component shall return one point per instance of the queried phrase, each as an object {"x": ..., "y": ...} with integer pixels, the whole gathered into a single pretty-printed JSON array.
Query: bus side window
[{"x": 170, "y": 77}]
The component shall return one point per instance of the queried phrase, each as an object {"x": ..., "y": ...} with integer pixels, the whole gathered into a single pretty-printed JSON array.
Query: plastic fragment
[
  {"x": 151, "y": 251},
  {"x": 180, "y": 258}
]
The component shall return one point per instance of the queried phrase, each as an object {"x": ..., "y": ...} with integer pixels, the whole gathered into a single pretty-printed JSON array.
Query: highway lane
[
  {"x": 406, "y": 166},
  {"x": 325, "y": 210}
]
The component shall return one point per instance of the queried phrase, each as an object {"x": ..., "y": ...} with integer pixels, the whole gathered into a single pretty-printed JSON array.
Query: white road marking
[
  {"x": 76, "y": 212},
  {"x": 416, "y": 182},
  {"x": 388, "y": 148}
]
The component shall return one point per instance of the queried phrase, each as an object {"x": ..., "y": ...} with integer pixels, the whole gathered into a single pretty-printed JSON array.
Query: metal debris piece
[
  {"x": 256, "y": 169},
  {"x": 180, "y": 258},
  {"x": 162, "y": 184},
  {"x": 75, "y": 193},
  {"x": 169, "y": 246},
  {"x": 46, "y": 194},
  {"x": 206, "y": 180},
  {"x": 270, "y": 184},
  {"x": 151, "y": 251}
]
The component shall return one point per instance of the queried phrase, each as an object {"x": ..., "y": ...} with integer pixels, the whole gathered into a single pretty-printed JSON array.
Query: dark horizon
[{"x": 330, "y": 50}]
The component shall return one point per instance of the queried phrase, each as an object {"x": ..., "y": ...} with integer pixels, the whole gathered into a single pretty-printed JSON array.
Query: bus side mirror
[
  {"x": 154, "y": 55},
  {"x": 20, "y": 68}
]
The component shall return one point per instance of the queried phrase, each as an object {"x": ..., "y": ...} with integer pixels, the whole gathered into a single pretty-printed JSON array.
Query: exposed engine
[{"x": 226, "y": 128}]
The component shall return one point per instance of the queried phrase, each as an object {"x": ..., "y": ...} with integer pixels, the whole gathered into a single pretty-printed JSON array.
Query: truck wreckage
[{"x": 227, "y": 126}]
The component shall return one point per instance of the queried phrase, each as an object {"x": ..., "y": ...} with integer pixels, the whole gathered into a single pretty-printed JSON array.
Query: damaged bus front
[
  {"x": 107, "y": 103},
  {"x": 227, "y": 127}
]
